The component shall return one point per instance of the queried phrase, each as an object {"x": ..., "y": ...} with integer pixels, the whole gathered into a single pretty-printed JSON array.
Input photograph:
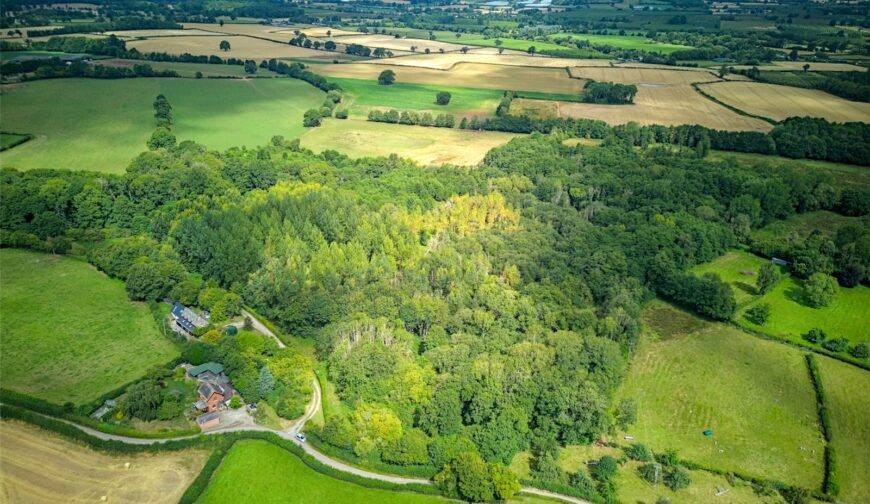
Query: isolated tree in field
[
  {"x": 464, "y": 50},
  {"x": 311, "y": 119},
  {"x": 723, "y": 71},
  {"x": 531, "y": 50},
  {"x": 815, "y": 335},
  {"x": 806, "y": 67},
  {"x": 458, "y": 35},
  {"x": 442, "y": 98},
  {"x": 328, "y": 33},
  {"x": 498, "y": 42},
  {"x": 221, "y": 22},
  {"x": 198, "y": 75},
  {"x": 821, "y": 289},
  {"x": 767, "y": 277},
  {"x": 329, "y": 45},
  {"x": 387, "y": 77},
  {"x": 427, "y": 51},
  {"x": 224, "y": 45},
  {"x": 500, "y": 50}
]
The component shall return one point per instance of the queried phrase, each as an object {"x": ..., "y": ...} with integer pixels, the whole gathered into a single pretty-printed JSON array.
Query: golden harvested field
[
  {"x": 476, "y": 75},
  {"x": 37, "y": 466},
  {"x": 815, "y": 66},
  {"x": 320, "y": 31},
  {"x": 160, "y": 33},
  {"x": 280, "y": 34},
  {"x": 392, "y": 43},
  {"x": 660, "y": 105},
  {"x": 359, "y": 138},
  {"x": 241, "y": 47},
  {"x": 780, "y": 102},
  {"x": 642, "y": 75},
  {"x": 446, "y": 61}
]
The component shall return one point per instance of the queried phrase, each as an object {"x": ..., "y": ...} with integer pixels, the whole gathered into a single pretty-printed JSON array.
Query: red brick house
[{"x": 214, "y": 396}]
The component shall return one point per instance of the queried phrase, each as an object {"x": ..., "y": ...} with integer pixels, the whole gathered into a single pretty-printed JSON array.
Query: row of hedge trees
[{"x": 412, "y": 118}]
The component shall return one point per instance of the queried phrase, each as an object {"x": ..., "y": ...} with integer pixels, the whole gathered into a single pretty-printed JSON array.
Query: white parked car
[{"x": 300, "y": 437}]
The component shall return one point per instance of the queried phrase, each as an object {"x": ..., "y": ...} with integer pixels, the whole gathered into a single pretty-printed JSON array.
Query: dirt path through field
[{"x": 40, "y": 467}]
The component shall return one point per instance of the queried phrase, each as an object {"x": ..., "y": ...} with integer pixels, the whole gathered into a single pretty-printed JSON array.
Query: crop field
[
  {"x": 470, "y": 75},
  {"x": 843, "y": 174},
  {"x": 240, "y": 47},
  {"x": 368, "y": 94},
  {"x": 624, "y": 42},
  {"x": 801, "y": 225},
  {"x": 755, "y": 395},
  {"x": 648, "y": 76},
  {"x": 447, "y": 61},
  {"x": 132, "y": 34},
  {"x": 780, "y": 102},
  {"x": 507, "y": 43},
  {"x": 396, "y": 44},
  {"x": 257, "y": 471},
  {"x": 671, "y": 105},
  {"x": 40, "y": 466},
  {"x": 846, "y": 388},
  {"x": 62, "y": 314},
  {"x": 791, "y": 316},
  {"x": 73, "y": 118},
  {"x": 738, "y": 269},
  {"x": 358, "y": 138},
  {"x": 814, "y": 66}
]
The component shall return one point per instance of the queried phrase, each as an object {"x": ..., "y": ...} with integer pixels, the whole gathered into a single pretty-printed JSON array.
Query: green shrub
[
  {"x": 758, "y": 314},
  {"x": 677, "y": 478},
  {"x": 836, "y": 345},
  {"x": 639, "y": 452},
  {"x": 815, "y": 335},
  {"x": 341, "y": 114},
  {"x": 860, "y": 351}
]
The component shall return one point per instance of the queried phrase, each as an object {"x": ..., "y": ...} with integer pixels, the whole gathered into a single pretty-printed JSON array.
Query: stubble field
[
  {"x": 37, "y": 467},
  {"x": 779, "y": 102}
]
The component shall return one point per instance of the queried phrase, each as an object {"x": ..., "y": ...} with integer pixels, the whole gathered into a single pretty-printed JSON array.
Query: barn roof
[{"x": 214, "y": 367}]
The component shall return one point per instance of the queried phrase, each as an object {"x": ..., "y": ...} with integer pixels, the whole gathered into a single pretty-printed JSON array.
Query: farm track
[{"x": 290, "y": 435}]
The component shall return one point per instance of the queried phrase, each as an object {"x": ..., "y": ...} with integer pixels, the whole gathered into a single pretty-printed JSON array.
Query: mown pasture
[
  {"x": 69, "y": 334},
  {"x": 846, "y": 388},
  {"x": 90, "y": 124},
  {"x": 780, "y": 102},
  {"x": 367, "y": 94},
  {"x": 738, "y": 269},
  {"x": 257, "y": 471},
  {"x": 791, "y": 316},
  {"x": 358, "y": 138},
  {"x": 468, "y": 75},
  {"x": 40, "y": 466},
  {"x": 755, "y": 395}
]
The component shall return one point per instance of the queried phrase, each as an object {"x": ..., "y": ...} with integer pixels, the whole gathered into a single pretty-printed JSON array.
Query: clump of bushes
[{"x": 412, "y": 118}]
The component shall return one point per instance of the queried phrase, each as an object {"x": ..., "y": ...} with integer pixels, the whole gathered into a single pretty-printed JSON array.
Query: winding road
[{"x": 290, "y": 434}]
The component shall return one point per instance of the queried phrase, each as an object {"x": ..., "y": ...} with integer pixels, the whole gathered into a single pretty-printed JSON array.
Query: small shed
[
  {"x": 209, "y": 420},
  {"x": 207, "y": 371}
]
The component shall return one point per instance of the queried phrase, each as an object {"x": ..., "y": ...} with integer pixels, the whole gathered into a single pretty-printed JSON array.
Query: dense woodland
[{"x": 437, "y": 297}]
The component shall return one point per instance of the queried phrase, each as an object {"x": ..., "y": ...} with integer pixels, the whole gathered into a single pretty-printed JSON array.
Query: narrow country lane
[{"x": 290, "y": 434}]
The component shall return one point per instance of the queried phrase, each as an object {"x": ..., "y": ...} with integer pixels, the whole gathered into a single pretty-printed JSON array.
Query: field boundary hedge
[
  {"x": 200, "y": 483},
  {"x": 560, "y": 489},
  {"x": 221, "y": 441},
  {"x": 829, "y": 483},
  {"x": 25, "y": 137}
]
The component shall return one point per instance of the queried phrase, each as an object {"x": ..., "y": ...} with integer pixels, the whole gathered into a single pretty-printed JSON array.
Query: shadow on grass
[
  {"x": 798, "y": 294},
  {"x": 745, "y": 287}
]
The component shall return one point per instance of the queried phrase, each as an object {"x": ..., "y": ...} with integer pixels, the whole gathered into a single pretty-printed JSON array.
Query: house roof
[
  {"x": 207, "y": 417},
  {"x": 214, "y": 367}
]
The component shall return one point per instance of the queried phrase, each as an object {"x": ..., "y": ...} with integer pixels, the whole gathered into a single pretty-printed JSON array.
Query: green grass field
[
  {"x": 845, "y": 317},
  {"x": 846, "y": 387},
  {"x": 801, "y": 225},
  {"x": 102, "y": 124},
  {"x": 367, "y": 94},
  {"x": 624, "y": 42},
  {"x": 754, "y": 394},
  {"x": 738, "y": 269},
  {"x": 257, "y": 471},
  {"x": 843, "y": 174},
  {"x": 68, "y": 332}
]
